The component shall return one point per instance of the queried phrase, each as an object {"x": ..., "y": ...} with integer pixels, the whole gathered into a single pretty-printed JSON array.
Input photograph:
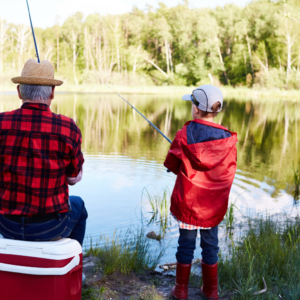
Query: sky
[{"x": 45, "y": 13}]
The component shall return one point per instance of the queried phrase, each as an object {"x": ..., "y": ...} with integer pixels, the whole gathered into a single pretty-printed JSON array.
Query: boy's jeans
[
  {"x": 70, "y": 224},
  {"x": 187, "y": 245}
]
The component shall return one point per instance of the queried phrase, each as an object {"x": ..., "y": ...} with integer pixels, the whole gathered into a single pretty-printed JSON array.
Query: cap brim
[
  {"x": 37, "y": 81},
  {"x": 187, "y": 97}
]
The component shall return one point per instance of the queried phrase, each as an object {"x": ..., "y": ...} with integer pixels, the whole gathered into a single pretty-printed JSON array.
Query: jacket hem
[{"x": 195, "y": 222}]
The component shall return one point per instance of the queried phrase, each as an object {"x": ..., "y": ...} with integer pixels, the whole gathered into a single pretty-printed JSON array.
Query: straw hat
[{"x": 37, "y": 74}]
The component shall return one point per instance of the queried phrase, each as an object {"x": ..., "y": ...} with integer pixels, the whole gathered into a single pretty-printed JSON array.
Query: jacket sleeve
[
  {"x": 173, "y": 159},
  {"x": 76, "y": 158}
]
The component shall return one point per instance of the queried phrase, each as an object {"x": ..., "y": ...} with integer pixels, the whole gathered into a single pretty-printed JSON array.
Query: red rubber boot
[
  {"x": 209, "y": 290},
  {"x": 180, "y": 290}
]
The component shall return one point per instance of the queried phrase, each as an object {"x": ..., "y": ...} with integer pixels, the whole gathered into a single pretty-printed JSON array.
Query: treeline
[{"x": 255, "y": 45}]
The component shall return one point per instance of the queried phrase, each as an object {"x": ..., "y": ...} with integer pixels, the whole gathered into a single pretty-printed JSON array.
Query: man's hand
[{"x": 74, "y": 180}]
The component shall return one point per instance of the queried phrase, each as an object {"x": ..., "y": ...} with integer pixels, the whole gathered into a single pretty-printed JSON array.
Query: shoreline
[
  {"x": 228, "y": 92},
  {"x": 258, "y": 263}
]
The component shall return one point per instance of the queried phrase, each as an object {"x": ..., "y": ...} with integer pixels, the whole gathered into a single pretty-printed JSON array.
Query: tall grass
[
  {"x": 297, "y": 184},
  {"x": 229, "y": 217},
  {"x": 125, "y": 253},
  {"x": 267, "y": 251},
  {"x": 160, "y": 209},
  {"x": 159, "y": 203}
]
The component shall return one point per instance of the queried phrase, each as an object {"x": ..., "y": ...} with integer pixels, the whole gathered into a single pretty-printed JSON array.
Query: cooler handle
[{"x": 41, "y": 271}]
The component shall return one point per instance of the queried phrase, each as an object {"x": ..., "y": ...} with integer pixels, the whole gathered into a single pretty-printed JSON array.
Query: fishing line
[
  {"x": 36, "y": 48},
  {"x": 150, "y": 123}
]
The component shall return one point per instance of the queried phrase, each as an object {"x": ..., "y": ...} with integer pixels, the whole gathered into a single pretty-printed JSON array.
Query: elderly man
[{"x": 40, "y": 155}]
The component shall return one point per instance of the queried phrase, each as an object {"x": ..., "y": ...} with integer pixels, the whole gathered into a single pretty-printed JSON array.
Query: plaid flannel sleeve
[{"x": 77, "y": 159}]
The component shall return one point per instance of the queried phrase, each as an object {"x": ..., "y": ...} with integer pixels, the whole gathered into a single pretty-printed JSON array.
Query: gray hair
[{"x": 35, "y": 92}]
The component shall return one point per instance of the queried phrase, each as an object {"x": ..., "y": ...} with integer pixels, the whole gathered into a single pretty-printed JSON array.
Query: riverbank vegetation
[
  {"x": 126, "y": 253},
  {"x": 296, "y": 184},
  {"x": 268, "y": 253},
  {"x": 259, "y": 258},
  {"x": 253, "y": 46},
  {"x": 263, "y": 264},
  {"x": 123, "y": 267},
  {"x": 159, "y": 213}
]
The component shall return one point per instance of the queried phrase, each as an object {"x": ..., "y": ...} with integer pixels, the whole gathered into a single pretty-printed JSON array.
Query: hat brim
[
  {"x": 37, "y": 81},
  {"x": 187, "y": 97}
]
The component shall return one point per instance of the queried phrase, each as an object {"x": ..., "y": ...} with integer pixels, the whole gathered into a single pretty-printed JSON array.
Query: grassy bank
[
  {"x": 123, "y": 267},
  {"x": 242, "y": 93},
  {"x": 269, "y": 252},
  {"x": 264, "y": 264},
  {"x": 261, "y": 262},
  {"x": 127, "y": 253}
]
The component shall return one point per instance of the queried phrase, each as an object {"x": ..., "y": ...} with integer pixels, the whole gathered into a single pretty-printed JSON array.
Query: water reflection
[{"x": 124, "y": 154}]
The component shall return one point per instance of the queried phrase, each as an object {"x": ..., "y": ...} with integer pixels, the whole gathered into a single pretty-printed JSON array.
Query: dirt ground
[{"x": 148, "y": 285}]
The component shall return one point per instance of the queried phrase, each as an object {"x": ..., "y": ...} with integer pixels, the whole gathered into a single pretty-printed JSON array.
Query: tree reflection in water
[{"x": 268, "y": 132}]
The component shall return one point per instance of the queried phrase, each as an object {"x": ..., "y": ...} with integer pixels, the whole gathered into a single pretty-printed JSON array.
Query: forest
[{"x": 255, "y": 46}]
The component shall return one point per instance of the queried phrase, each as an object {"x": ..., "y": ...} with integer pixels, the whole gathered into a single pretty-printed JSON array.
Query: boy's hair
[{"x": 215, "y": 108}]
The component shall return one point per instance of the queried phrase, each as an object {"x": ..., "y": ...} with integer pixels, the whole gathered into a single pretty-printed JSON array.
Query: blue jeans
[
  {"x": 187, "y": 245},
  {"x": 70, "y": 224}
]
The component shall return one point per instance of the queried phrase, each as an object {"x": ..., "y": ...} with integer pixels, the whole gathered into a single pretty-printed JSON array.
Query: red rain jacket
[{"x": 203, "y": 156}]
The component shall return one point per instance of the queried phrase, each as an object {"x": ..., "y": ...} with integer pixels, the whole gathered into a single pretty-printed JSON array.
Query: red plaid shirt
[{"x": 38, "y": 151}]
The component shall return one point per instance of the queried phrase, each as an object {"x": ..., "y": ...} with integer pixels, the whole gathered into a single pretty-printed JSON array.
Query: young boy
[{"x": 203, "y": 156}]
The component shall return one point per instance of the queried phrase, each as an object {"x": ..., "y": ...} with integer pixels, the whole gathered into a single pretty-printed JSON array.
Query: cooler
[{"x": 40, "y": 270}]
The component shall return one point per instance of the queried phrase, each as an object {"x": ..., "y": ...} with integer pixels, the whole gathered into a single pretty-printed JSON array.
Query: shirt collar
[
  {"x": 36, "y": 106},
  {"x": 207, "y": 123}
]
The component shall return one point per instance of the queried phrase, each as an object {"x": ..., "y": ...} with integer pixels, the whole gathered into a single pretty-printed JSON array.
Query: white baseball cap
[{"x": 204, "y": 97}]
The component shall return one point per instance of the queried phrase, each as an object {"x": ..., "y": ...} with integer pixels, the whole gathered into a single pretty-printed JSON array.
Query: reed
[
  {"x": 159, "y": 202},
  {"x": 126, "y": 253},
  {"x": 229, "y": 217},
  {"x": 297, "y": 184},
  {"x": 160, "y": 210}
]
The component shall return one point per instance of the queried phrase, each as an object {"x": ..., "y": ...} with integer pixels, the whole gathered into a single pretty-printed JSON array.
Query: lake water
[{"x": 124, "y": 155}]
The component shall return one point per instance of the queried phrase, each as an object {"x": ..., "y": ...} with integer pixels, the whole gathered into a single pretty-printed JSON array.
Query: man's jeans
[
  {"x": 187, "y": 245},
  {"x": 70, "y": 224}
]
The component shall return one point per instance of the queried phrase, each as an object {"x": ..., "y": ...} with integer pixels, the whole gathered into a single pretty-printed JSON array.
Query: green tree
[
  {"x": 176, "y": 45},
  {"x": 71, "y": 30}
]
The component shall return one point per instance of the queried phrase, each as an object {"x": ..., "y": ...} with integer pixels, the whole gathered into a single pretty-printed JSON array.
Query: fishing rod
[
  {"x": 150, "y": 123},
  {"x": 36, "y": 48},
  {"x": 38, "y": 57}
]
